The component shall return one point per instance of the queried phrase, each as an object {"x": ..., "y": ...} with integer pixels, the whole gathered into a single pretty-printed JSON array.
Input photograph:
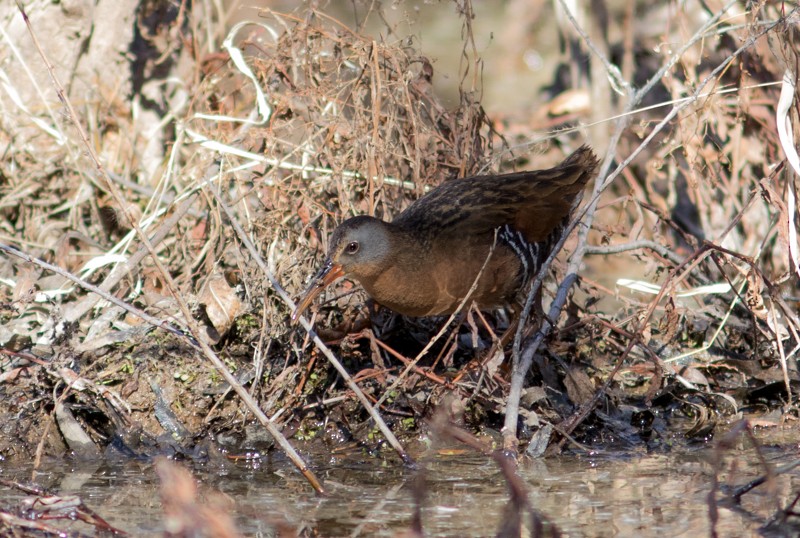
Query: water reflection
[{"x": 650, "y": 495}]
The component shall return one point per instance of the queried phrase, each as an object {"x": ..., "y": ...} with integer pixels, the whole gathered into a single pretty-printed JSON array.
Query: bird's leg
[
  {"x": 486, "y": 325},
  {"x": 447, "y": 353},
  {"x": 449, "y": 350},
  {"x": 384, "y": 322},
  {"x": 498, "y": 344}
]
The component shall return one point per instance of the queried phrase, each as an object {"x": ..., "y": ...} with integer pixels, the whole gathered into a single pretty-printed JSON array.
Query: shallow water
[{"x": 643, "y": 495}]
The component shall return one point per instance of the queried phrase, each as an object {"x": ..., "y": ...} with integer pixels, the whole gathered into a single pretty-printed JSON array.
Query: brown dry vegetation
[{"x": 332, "y": 122}]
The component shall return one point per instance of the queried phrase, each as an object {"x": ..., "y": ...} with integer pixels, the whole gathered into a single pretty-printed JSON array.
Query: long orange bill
[{"x": 330, "y": 273}]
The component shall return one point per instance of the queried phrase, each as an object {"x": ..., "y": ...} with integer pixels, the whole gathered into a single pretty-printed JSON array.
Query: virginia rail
[{"x": 425, "y": 261}]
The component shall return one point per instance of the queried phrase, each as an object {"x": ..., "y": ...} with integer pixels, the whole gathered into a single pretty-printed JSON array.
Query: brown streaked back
[{"x": 534, "y": 202}]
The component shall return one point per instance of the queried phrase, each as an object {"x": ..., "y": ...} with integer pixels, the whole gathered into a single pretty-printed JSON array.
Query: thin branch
[
  {"x": 155, "y": 322},
  {"x": 642, "y": 244}
]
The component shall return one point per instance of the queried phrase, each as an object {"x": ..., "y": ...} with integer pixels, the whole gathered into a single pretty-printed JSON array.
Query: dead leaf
[
  {"x": 221, "y": 302},
  {"x": 494, "y": 363},
  {"x": 580, "y": 388}
]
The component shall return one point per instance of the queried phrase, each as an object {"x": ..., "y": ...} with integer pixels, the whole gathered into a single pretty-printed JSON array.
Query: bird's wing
[{"x": 532, "y": 202}]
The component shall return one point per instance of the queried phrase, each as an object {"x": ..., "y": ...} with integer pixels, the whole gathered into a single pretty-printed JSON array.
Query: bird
[{"x": 500, "y": 228}]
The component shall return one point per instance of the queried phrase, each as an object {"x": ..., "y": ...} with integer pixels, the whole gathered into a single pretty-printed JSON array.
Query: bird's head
[{"x": 359, "y": 248}]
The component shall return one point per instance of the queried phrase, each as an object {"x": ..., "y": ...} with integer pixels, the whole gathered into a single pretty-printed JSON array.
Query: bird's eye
[{"x": 351, "y": 247}]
